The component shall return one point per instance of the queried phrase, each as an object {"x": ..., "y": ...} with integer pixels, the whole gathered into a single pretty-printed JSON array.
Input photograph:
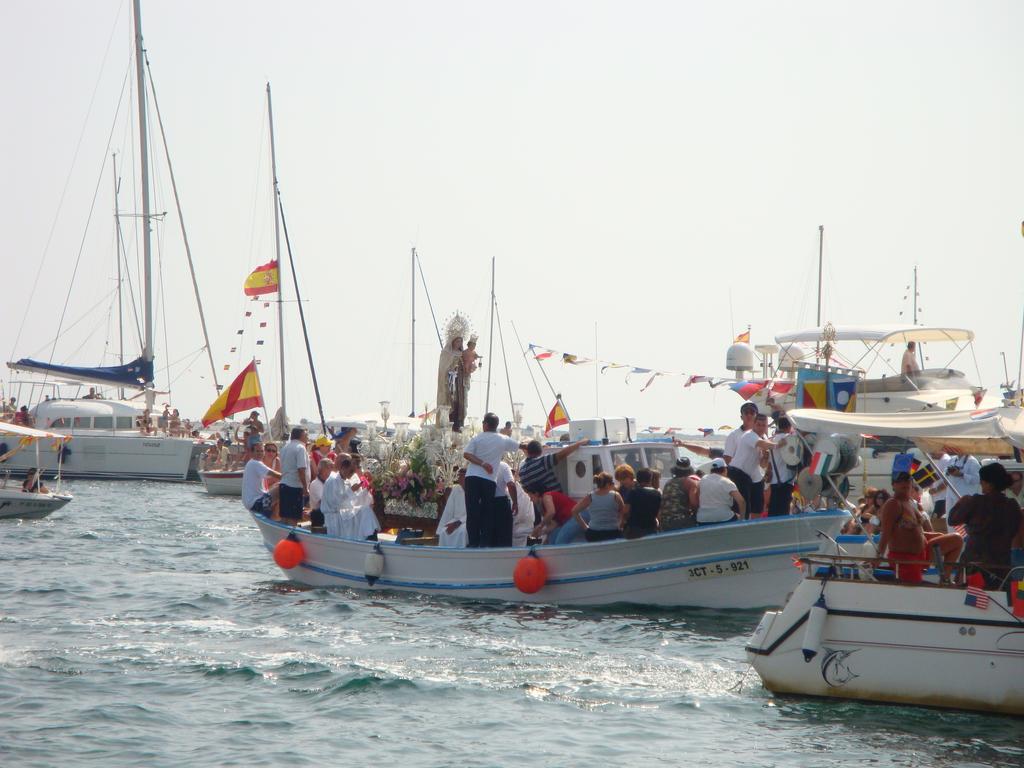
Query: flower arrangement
[{"x": 405, "y": 473}]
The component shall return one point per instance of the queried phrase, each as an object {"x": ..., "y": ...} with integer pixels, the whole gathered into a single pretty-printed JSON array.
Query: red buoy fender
[
  {"x": 531, "y": 574},
  {"x": 288, "y": 552}
]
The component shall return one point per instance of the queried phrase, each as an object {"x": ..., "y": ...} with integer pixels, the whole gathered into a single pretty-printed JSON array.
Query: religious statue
[{"x": 452, "y": 375}]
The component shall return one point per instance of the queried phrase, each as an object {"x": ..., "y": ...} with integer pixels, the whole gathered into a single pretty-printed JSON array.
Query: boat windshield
[{"x": 662, "y": 459}]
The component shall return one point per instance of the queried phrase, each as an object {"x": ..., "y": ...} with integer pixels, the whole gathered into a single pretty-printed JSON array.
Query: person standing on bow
[
  {"x": 294, "y": 476},
  {"x": 484, "y": 454},
  {"x": 748, "y": 461},
  {"x": 740, "y": 473}
]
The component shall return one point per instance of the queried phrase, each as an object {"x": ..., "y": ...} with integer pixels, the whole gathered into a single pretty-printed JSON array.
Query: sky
[{"x": 648, "y": 177}]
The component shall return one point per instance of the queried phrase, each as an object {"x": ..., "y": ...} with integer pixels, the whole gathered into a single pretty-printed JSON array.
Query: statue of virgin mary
[{"x": 452, "y": 378}]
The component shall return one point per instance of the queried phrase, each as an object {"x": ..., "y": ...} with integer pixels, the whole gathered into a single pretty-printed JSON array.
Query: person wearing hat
[
  {"x": 717, "y": 495},
  {"x": 993, "y": 523},
  {"x": 680, "y": 497},
  {"x": 320, "y": 451}
]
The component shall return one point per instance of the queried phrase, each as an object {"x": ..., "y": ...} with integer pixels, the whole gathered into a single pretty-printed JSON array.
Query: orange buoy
[
  {"x": 530, "y": 574},
  {"x": 288, "y": 552}
]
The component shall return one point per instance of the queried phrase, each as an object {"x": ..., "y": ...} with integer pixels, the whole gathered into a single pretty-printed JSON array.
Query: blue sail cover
[{"x": 133, "y": 374}]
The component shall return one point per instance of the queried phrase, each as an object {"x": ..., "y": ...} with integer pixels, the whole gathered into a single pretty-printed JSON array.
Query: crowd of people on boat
[{"x": 980, "y": 503}]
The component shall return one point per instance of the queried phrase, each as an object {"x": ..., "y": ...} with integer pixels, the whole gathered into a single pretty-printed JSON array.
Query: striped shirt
[{"x": 539, "y": 470}]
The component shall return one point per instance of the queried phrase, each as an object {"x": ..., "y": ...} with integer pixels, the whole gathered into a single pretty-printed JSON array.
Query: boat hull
[
  {"x": 15, "y": 504},
  {"x": 221, "y": 483},
  {"x": 737, "y": 565},
  {"x": 895, "y": 643},
  {"x": 112, "y": 457}
]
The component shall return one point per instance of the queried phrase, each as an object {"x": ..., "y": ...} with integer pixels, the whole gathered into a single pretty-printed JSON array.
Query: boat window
[
  {"x": 597, "y": 464},
  {"x": 581, "y": 469},
  {"x": 61, "y": 423},
  {"x": 82, "y": 422},
  {"x": 103, "y": 422},
  {"x": 629, "y": 456},
  {"x": 125, "y": 422},
  {"x": 661, "y": 459}
]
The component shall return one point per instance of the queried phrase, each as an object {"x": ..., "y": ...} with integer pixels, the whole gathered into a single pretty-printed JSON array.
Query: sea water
[{"x": 145, "y": 624}]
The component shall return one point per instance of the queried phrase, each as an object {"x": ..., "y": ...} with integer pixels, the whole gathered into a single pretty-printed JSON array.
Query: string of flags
[
  {"x": 745, "y": 388},
  {"x": 263, "y": 280}
]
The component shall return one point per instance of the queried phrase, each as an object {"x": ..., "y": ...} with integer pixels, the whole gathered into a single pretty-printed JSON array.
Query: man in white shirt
[
  {"x": 737, "y": 473},
  {"x": 964, "y": 476},
  {"x": 909, "y": 366},
  {"x": 254, "y": 498},
  {"x": 746, "y": 463},
  {"x": 717, "y": 494},
  {"x": 316, "y": 492},
  {"x": 781, "y": 496},
  {"x": 484, "y": 453},
  {"x": 294, "y": 475},
  {"x": 451, "y": 528},
  {"x": 506, "y": 506}
]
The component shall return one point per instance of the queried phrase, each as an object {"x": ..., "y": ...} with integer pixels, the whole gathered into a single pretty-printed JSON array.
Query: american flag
[{"x": 977, "y": 597}]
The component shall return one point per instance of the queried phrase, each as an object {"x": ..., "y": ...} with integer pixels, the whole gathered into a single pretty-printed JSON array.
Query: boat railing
[{"x": 881, "y": 570}]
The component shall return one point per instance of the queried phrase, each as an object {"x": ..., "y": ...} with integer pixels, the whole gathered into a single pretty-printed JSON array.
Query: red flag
[
  {"x": 556, "y": 418},
  {"x": 241, "y": 395},
  {"x": 262, "y": 280}
]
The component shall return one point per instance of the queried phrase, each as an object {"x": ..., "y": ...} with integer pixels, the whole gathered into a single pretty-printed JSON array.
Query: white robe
[
  {"x": 454, "y": 510},
  {"x": 522, "y": 523}
]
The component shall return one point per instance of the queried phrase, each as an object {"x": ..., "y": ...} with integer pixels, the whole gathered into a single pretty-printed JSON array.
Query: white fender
[
  {"x": 373, "y": 566},
  {"x": 815, "y": 626}
]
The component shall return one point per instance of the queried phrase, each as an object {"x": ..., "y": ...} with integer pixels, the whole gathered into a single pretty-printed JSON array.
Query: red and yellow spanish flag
[
  {"x": 556, "y": 418},
  {"x": 743, "y": 337},
  {"x": 243, "y": 394},
  {"x": 263, "y": 279}
]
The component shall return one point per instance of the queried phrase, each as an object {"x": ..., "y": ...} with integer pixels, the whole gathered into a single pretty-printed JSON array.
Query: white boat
[
  {"x": 14, "y": 502},
  {"x": 222, "y": 482},
  {"x": 889, "y": 642},
  {"x": 734, "y": 565},
  {"x": 105, "y": 443},
  {"x": 17, "y": 504}
]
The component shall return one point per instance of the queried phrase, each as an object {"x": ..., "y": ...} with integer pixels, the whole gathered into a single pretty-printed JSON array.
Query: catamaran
[{"x": 110, "y": 438}]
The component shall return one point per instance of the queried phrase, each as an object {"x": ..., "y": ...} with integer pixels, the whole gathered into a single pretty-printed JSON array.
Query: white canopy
[
  {"x": 992, "y": 432},
  {"x": 7, "y": 428},
  {"x": 880, "y": 334}
]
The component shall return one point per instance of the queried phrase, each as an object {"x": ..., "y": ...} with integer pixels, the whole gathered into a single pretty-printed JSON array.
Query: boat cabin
[
  {"x": 88, "y": 416},
  {"x": 612, "y": 441}
]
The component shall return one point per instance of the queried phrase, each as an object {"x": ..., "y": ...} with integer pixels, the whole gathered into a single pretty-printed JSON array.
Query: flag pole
[
  {"x": 277, "y": 253},
  {"x": 528, "y": 369},
  {"x": 490, "y": 344}
]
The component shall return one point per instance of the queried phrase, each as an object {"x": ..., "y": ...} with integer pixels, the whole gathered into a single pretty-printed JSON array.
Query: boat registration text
[{"x": 726, "y": 568}]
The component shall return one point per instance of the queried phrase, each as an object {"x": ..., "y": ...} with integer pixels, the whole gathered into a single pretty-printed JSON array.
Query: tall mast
[
  {"x": 147, "y": 249},
  {"x": 412, "y": 332},
  {"x": 920, "y": 347},
  {"x": 117, "y": 247},
  {"x": 277, "y": 246},
  {"x": 821, "y": 250},
  {"x": 490, "y": 345}
]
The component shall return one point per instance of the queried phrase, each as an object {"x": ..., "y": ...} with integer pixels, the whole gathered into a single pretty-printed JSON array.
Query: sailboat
[
  {"x": 107, "y": 439},
  {"x": 228, "y": 482}
]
